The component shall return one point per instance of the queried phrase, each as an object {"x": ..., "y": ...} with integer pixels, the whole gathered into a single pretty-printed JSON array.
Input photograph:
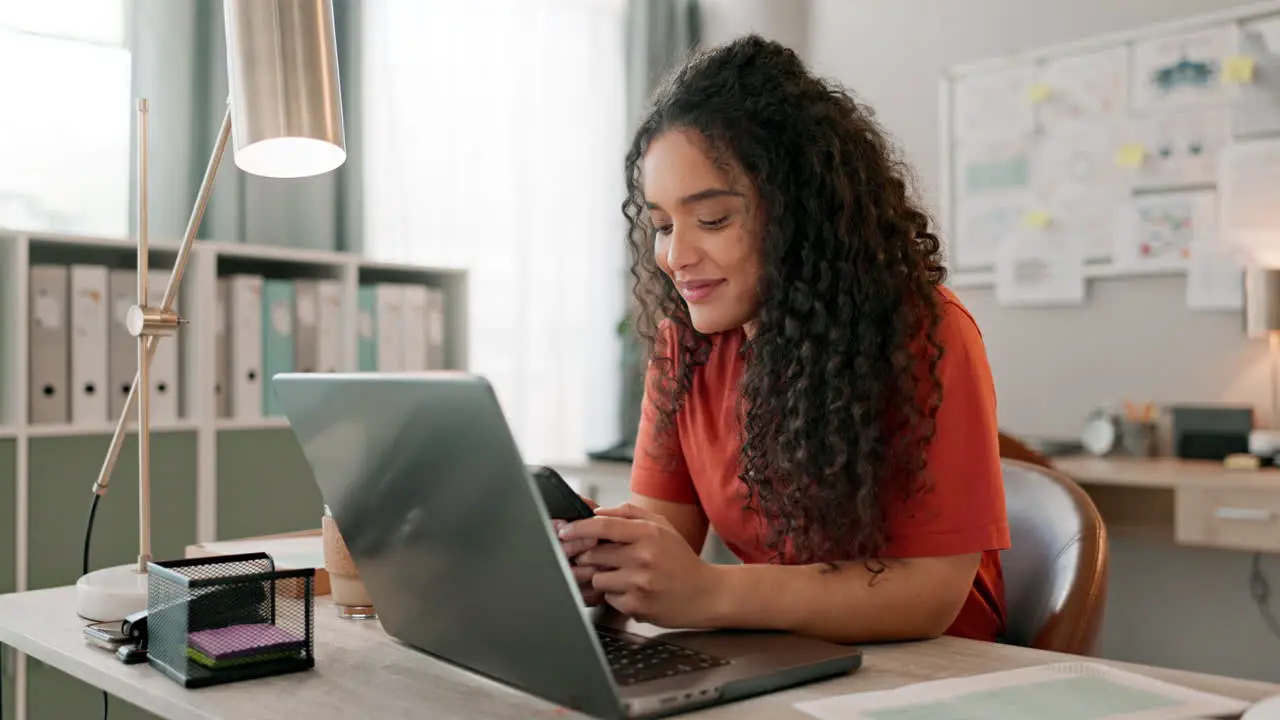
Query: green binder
[
  {"x": 277, "y": 338},
  {"x": 367, "y": 328}
]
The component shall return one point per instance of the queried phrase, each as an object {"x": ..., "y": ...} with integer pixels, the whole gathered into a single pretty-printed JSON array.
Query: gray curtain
[
  {"x": 179, "y": 65},
  {"x": 660, "y": 34}
]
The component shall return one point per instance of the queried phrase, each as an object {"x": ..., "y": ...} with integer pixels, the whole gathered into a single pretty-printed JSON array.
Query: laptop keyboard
[{"x": 635, "y": 659}]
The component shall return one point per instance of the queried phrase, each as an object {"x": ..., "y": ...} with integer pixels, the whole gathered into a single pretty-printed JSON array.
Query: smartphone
[
  {"x": 561, "y": 501},
  {"x": 107, "y": 635}
]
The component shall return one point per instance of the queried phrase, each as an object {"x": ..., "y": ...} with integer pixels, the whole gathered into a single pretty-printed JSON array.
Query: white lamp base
[
  {"x": 1264, "y": 443},
  {"x": 111, "y": 593}
]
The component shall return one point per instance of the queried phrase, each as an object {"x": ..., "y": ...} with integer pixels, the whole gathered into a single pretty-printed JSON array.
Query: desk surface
[
  {"x": 360, "y": 672},
  {"x": 1153, "y": 472},
  {"x": 1162, "y": 473}
]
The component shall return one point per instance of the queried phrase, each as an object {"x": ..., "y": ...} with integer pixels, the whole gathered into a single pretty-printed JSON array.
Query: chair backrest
[
  {"x": 1012, "y": 447},
  {"x": 1055, "y": 572}
]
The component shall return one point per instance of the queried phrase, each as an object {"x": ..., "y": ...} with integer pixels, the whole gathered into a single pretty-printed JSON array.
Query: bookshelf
[{"x": 216, "y": 473}]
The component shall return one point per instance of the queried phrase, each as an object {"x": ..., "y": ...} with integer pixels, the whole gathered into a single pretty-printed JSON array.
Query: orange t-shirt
[{"x": 962, "y": 512}]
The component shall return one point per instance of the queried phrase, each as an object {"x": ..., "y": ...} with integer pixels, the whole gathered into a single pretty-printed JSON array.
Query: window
[
  {"x": 494, "y": 135},
  {"x": 65, "y": 135}
]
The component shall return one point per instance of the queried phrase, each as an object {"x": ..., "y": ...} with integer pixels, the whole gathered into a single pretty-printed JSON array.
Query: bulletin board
[{"x": 1150, "y": 152}]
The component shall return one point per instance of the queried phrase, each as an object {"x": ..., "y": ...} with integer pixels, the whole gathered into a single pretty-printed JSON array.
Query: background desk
[
  {"x": 1193, "y": 502},
  {"x": 360, "y": 672},
  {"x": 1190, "y": 502},
  {"x": 1181, "y": 532}
]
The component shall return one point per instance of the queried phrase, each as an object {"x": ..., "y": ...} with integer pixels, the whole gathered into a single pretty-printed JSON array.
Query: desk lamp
[
  {"x": 1262, "y": 319},
  {"x": 285, "y": 116}
]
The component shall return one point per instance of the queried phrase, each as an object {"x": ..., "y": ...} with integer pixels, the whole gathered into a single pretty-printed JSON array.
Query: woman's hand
[
  {"x": 582, "y": 574},
  {"x": 644, "y": 567}
]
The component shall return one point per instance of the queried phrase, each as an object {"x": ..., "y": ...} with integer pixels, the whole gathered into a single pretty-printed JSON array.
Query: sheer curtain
[
  {"x": 65, "y": 135},
  {"x": 494, "y": 133}
]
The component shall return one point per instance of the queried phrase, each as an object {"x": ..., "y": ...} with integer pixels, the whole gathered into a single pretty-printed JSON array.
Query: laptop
[{"x": 454, "y": 544}]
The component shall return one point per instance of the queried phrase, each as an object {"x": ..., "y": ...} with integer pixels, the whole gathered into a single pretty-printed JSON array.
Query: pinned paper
[
  {"x": 1131, "y": 155},
  {"x": 1238, "y": 69},
  {"x": 1036, "y": 219},
  {"x": 1038, "y": 93}
]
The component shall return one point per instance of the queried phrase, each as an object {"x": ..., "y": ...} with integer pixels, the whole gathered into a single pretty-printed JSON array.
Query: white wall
[
  {"x": 1052, "y": 367},
  {"x": 1133, "y": 339},
  {"x": 786, "y": 21}
]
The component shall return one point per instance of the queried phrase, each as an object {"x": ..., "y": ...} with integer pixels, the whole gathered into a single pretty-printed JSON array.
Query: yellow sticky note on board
[
  {"x": 1130, "y": 155},
  {"x": 1038, "y": 93},
  {"x": 1238, "y": 69},
  {"x": 1036, "y": 219}
]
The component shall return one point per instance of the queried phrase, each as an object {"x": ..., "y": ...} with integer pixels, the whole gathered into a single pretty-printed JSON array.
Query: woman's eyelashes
[{"x": 716, "y": 224}]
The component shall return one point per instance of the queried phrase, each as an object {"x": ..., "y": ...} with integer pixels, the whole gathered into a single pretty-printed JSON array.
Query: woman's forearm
[{"x": 847, "y": 603}]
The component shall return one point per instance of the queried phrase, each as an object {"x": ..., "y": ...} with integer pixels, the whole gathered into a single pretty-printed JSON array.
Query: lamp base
[
  {"x": 1264, "y": 443},
  {"x": 111, "y": 593}
]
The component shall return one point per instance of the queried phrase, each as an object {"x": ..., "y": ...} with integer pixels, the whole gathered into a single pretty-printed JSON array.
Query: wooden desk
[
  {"x": 1194, "y": 502},
  {"x": 1164, "y": 473},
  {"x": 360, "y": 672}
]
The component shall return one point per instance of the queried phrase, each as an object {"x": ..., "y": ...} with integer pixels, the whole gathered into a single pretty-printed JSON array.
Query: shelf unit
[{"x": 47, "y": 470}]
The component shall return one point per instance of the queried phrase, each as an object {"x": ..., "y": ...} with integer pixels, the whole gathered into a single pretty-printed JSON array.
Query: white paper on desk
[
  {"x": 287, "y": 552},
  {"x": 1248, "y": 213},
  {"x": 1082, "y": 691}
]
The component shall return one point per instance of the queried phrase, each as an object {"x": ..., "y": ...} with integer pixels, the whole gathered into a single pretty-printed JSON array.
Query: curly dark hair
[{"x": 841, "y": 387}]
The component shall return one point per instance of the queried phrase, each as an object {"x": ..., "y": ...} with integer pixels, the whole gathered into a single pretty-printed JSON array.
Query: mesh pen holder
[{"x": 224, "y": 619}]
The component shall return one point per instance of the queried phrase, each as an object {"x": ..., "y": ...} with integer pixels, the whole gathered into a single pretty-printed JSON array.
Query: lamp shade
[
  {"x": 1261, "y": 301},
  {"x": 286, "y": 100}
]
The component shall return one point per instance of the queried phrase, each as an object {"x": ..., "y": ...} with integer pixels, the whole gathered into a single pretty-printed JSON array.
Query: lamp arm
[{"x": 170, "y": 294}]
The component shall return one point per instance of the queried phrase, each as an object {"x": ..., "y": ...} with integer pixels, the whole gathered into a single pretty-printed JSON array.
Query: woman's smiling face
[{"x": 707, "y": 238}]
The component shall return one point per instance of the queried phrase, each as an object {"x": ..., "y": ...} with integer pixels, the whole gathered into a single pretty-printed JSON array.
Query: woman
[{"x": 814, "y": 395}]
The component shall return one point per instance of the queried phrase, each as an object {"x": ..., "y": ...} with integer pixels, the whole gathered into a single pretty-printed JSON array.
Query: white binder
[
  {"x": 164, "y": 363},
  {"x": 245, "y": 333},
  {"x": 306, "y": 311},
  {"x": 222, "y": 351},
  {"x": 90, "y": 328},
  {"x": 436, "y": 359},
  {"x": 122, "y": 348},
  {"x": 329, "y": 326},
  {"x": 390, "y": 327},
  {"x": 49, "y": 333},
  {"x": 414, "y": 334}
]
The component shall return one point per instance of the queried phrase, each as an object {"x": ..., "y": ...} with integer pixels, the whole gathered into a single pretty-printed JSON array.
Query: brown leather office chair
[
  {"x": 1013, "y": 448},
  {"x": 1055, "y": 572}
]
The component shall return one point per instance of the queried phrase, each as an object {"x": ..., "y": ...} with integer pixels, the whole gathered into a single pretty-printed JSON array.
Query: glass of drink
[{"x": 346, "y": 588}]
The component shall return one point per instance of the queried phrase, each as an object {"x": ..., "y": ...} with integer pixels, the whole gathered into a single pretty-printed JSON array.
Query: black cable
[
  {"x": 88, "y": 537},
  {"x": 88, "y": 533},
  {"x": 1260, "y": 591}
]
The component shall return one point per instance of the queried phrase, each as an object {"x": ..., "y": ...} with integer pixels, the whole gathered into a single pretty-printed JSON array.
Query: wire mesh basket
[{"x": 223, "y": 619}]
